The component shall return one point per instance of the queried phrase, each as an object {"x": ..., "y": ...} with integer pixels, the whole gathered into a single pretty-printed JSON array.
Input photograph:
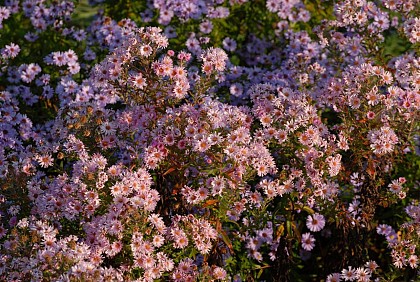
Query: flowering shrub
[{"x": 182, "y": 141}]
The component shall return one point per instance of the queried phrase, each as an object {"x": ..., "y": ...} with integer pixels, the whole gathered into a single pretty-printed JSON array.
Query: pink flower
[
  {"x": 335, "y": 277},
  {"x": 138, "y": 81},
  {"x": 370, "y": 115},
  {"x": 146, "y": 50},
  {"x": 45, "y": 160},
  {"x": 180, "y": 238},
  {"x": 413, "y": 261},
  {"x": 59, "y": 58},
  {"x": 315, "y": 222},
  {"x": 371, "y": 265},
  {"x": 11, "y": 50},
  {"x": 395, "y": 186},
  {"x": 334, "y": 164},
  {"x": 202, "y": 144},
  {"x": 217, "y": 184},
  {"x": 215, "y": 57},
  {"x": 219, "y": 273},
  {"x": 348, "y": 274},
  {"x": 4, "y": 13}
]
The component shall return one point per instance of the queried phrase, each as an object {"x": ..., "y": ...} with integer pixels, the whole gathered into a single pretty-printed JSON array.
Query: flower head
[
  {"x": 315, "y": 222},
  {"x": 308, "y": 241}
]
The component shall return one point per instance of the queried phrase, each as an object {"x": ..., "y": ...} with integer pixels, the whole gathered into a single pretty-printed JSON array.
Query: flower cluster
[
  {"x": 234, "y": 140},
  {"x": 361, "y": 274}
]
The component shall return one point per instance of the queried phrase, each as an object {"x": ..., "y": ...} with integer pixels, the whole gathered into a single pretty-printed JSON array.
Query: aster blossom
[
  {"x": 315, "y": 222},
  {"x": 308, "y": 241},
  {"x": 122, "y": 160}
]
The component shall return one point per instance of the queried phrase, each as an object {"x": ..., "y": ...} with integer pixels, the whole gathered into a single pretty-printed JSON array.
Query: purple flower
[{"x": 315, "y": 222}]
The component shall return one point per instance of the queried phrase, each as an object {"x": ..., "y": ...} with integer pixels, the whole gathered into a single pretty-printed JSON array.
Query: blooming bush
[{"x": 184, "y": 141}]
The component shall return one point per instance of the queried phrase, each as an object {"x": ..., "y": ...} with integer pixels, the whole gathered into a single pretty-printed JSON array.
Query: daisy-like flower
[
  {"x": 413, "y": 260},
  {"x": 354, "y": 102},
  {"x": 217, "y": 184},
  {"x": 219, "y": 273},
  {"x": 386, "y": 77},
  {"x": 11, "y": 50},
  {"x": 308, "y": 241},
  {"x": 370, "y": 115},
  {"x": 236, "y": 89},
  {"x": 334, "y": 164},
  {"x": 371, "y": 265},
  {"x": 349, "y": 274},
  {"x": 207, "y": 68},
  {"x": 139, "y": 81},
  {"x": 392, "y": 237},
  {"x": 206, "y": 27},
  {"x": 342, "y": 142},
  {"x": 202, "y": 145},
  {"x": 107, "y": 128},
  {"x": 180, "y": 238},
  {"x": 4, "y": 13},
  {"x": 363, "y": 274},
  {"x": 315, "y": 222},
  {"x": 395, "y": 186},
  {"x": 216, "y": 57},
  {"x": 146, "y": 50},
  {"x": 335, "y": 277},
  {"x": 399, "y": 261},
  {"x": 229, "y": 44},
  {"x": 45, "y": 160},
  {"x": 59, "y": 58},
  {"x": 384, "y": 229}
]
